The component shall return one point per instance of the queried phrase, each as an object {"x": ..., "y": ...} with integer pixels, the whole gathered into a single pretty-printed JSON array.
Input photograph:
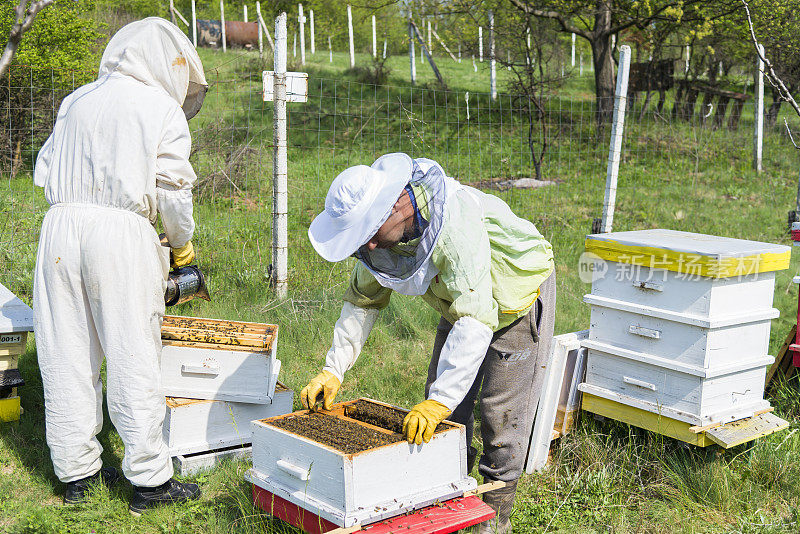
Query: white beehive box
[
  {"x": 196, "y": 425},
  {"x": 16, "y": 320},
  {"x": 361, "y": 487},
  {"x": 680, "y": 323},
  {"x": 219, "y": 360}
]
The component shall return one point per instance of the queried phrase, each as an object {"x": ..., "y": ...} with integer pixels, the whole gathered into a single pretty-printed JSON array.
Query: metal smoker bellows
[{"x": 184, "y": 284}]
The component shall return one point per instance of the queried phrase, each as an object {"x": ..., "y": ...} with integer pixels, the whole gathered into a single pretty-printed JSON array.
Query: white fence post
[
  {"x": 194, "y": 25},
  {"x": 222, "y": 23},
  {"x": 384, "y": 49},
  {"x": 412, "y": 57},
  {"x": 350, "y": 33},
  {"x": 330, "y": 50},
  {"x": 615, "y": 148},
  {"x": 459, "y": 52},
  {"x": 311, "y": 23},
  {"x": 580, "y": 68},
  {"x": 492, "y": 64},
  {"x": 245, "y": 12},
  {"x": 172, "y": 12},
  {"x": 263, "y": 26},
  {"x": 280, "y": 235},
  {"x": 302, "y": 20},
  {"x": 430, "y": 43},
  {"x": 480, "y": 43},
  {"x": 688, "y": 52},
  {"x": 758, "y": 138},
  {"x": 374, "y": 40},
  {"x": 573, "y": 50}
]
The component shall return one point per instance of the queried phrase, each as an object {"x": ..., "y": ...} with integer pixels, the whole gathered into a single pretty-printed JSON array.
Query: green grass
[{"x": 605, "y": 477}]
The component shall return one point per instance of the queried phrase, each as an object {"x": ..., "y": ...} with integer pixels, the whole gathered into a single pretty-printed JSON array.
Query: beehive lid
[
  {"x": 690, "y": 253},
  {"x": 15, "y": 315},
  {"x": 216, "y": 333}
]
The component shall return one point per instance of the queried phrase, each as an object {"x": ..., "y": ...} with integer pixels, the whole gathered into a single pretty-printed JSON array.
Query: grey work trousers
[{"x": 509, "y": 381}]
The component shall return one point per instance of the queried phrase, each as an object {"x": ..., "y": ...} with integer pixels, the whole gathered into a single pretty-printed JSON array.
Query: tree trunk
[{"x": 602, "y": 55}]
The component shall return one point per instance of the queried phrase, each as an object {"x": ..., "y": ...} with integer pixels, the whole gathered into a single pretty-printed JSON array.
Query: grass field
[{"x": 604, "y": 477}]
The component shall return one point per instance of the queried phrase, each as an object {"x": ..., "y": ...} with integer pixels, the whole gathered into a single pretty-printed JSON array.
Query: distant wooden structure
[
  {"x": 714, "y": 100},
  {"x": 649, "y": 77}
]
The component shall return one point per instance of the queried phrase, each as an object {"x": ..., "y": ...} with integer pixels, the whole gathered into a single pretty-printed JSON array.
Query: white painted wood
[
  {"x": 233, "y": 375},
  {"x": 480, "y": 43},
  {"x": 330, "y": 50},
  {"x": 302, "y": 21},
  {"x": 412, "y": 58},
  {"x": 363, "y": 487},
  {"x": 492, "y": 63},
  {"x": 374, "y": 40},
  {"x": 758, "y": 134},
  {"x": 263, "y": 25},
  {"x": 9, "y": 362},
  {"x": 569, "y": 403},
  {"x": 194, "y": 24},
  {"x": 15, "y": 315},
  {"x": 222, "y": 24},
  {"x": 679, "y": 395},
  {"x": 573, "y": 50},
  {"x": 296, "y": 86},
  {"x": 701, "y": 297},
  {"x": 244, "y": 9},
  {"x": 350, "y": 35},
  {"x": 193, "y": 464},
  {"x": 280, "y": 165},
  {"x": 194, "y": 425},
  {"x": 552, "y": 386},
  {"x": 683, "y": 342},
  {"x": 384, "y": 49},
  {"x": 311, "y": 27},
  {"x": 615, "y": 148}
]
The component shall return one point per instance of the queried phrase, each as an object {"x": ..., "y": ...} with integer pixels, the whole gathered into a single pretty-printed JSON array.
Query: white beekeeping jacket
[{"x": 123, "y": 141}]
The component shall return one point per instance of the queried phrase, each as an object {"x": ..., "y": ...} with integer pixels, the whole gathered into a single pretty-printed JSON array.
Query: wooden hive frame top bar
[{"x": 216, "y": 333}]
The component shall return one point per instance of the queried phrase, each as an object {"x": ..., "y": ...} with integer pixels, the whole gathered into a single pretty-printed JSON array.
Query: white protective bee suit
[{"x": 117, "y": 158}]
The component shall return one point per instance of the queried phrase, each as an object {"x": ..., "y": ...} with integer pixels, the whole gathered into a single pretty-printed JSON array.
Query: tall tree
[{"x": 597, "y": 21}]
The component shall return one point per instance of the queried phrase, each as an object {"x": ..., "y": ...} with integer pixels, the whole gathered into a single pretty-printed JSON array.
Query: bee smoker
[{"x": 184, "y": 284}]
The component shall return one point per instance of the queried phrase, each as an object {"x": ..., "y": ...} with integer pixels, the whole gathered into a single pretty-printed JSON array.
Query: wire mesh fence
[{"x": 546, "y": 158}]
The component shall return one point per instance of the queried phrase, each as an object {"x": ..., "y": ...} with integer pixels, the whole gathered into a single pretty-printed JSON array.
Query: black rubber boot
[
  {"x": 502, "y": 502},
  {"x": 77, "y": 489},
  {"x": 169, "y": 492}
]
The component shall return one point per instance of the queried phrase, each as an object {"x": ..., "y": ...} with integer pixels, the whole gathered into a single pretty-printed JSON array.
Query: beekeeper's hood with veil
[
  {"x": 359, "y": 202},
  {"x": 158, "y": 54}
]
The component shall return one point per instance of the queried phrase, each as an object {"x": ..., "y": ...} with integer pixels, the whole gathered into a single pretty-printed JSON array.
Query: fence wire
[{"x": 496, "y": 145}]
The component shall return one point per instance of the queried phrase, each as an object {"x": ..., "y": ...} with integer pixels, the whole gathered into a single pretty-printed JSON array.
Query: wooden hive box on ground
[
  {"x": 352, "y": 465},
  {"x": 16, "y": 320},
  {"x": 219, "y": 360},
  {"x": 680, "y": 323},
  {"x": 197, "y": 425}
]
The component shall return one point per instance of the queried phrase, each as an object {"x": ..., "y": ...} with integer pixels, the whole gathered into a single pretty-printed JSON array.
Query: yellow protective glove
[
  {"x": 325, "y": 384},
  {"x": 182, "y": 256},
  {"x": 421, "y": 421}
]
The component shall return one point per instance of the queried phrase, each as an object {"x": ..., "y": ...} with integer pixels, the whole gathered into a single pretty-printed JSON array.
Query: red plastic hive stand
[{"x": 441, "y": 518}]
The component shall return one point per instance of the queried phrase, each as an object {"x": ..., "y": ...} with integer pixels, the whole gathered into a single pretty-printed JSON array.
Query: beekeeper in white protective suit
[
  {"x": 487, "y": 272},
  {"x": 118, "y": 158}
]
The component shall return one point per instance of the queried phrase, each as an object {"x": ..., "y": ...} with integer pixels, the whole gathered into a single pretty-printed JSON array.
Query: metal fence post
[
  {"x": 280, "y": 229},
  {"x": 617, "y": 127},
  {"x": 350, "y": 32},
  {"x": 758, "y": 135}
]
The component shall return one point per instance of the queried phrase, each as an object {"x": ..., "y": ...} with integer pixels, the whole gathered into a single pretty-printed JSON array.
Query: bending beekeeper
[
  {"x": 117, "y": 158},
  {"x": 487, "y": 272}
]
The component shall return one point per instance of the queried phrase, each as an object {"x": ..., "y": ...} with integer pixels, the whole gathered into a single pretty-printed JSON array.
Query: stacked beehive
[
  {"x": 680, "y": 325},
  {"x": 217, "y": 376},
  {"x": 16, "y": 320}
]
